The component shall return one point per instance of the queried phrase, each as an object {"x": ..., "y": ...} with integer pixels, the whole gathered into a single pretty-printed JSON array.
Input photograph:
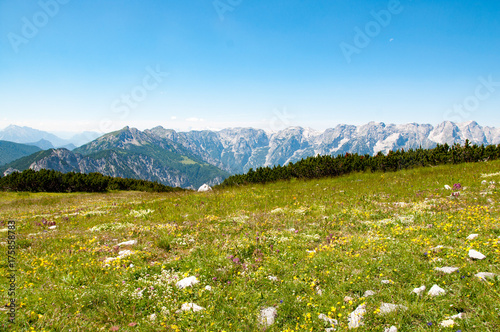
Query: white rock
[
  {"x": 208, "y": 287},
  {"x": 131, "y": 265},
  {"x": 447, "y": 323},
  {"x": 355, "y": 318},
  {"x": 484, "y": 182},
  {"x": 474, "y": 254},
  {"x": 124, "y": 253},
  {"x": 458, "y": 316},
  {"x": 472, "y": 236},
  {"x": 369, "y": 293},
  {"x": 447, "y": 187},
  {"x": 277, "y": 210},
  {"x": 386, "y": 281},
  {"x": 329, "y": 329},
  {"x": 436, "y": 290},
  {"x": 52, "y": 227},
  {"x": 191, "y": 306},
  {"x": 386, "y": 308},
  {"x": 327, "y": 319},
  {"x": 348, "y": 298},
  {"x": 319, "y": 291},
  {"x": 121, "y": 254},
  {"x": 152, "y": 317},
  {"x": 484, "y": 275},
  {"x": 446, "y": 269},
  {"x": 187, "y": 282},
  {"x": 419, "y": 290},
  {"x": 272, "y": 278},
  {"x": 204, "y": 188},
  {"x": 128, "y": 243},
  {"x": 391, "y": 329},
  {"x": 267, "y": 316}
]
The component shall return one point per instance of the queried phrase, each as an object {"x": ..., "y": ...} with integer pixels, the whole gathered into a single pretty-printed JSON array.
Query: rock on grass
[
  {"x": 474, "y": 254},
  {"x": 187, "y": 282},
  {"x": 436, "y": 291},
  {"x": 267, "y": 316},
  {"x": 355, "y": 319}
]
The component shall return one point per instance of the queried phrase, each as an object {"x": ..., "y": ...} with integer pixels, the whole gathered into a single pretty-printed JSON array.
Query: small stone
[
  {"x": 327, "y": 319},
  {"x": 386, "y": 281},
  {"x": 208, "y": 287},
  {"x": 272, "y": 278},
  {"x": 483, "y": 275},
  {"x": 187, "y": 282},
  {"x": 52, "y": 227},
  {"x": 204, "y": 188},
  {"x": 128, "y": 243},
  {"x": 436, "y": 290},
  {"x": 458, "y": 316},
  {"x": 447, "y": 187},
  {"x": 419, "y": 290},
  {"x": 446, "y": 269},
  {"x": 484, "y": 182},
  {"x": 447, "y": 323},
  {"x": 277, "y": 210},
  {"x": 369, "y": 293},
  {"x": 386, "y": 308},
  {"x": 391, "y": 329},
  {"x": 474, "y": 254},
  {"x": 355, "y": 319},
  {"x": 472, "y": 236},
  {"x": 348, "y": 298},
  {"x": 191, "y": 306},
  {"x": 267, "y": 316}
]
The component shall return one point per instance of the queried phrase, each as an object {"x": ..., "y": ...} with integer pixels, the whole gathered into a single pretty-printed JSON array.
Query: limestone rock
[
  {"x": 447, "y": 323},
  {"x": 386, "y": 308},
  {"x": 355, "y": 319},
  {"x": 446, "y": 269},
  {"x": 436, "y": 290},
  {"x": 483, "y": 275},
  {"x": 369, "y": 293},
  {"x": 187, "y": 282},
  {"x": 391, "y": 329},
  {"x": 419, "y": 290},
  {"x": 191, "y": 306},
  {"x": 127, "y": 243},
  {"x": 474, "y": 254},
  {"x": 204, "y": 188},
  {"x": 327, "y": 319},
  {"x": 267, "y": 316},
  {"x": 472, "y": 236}
]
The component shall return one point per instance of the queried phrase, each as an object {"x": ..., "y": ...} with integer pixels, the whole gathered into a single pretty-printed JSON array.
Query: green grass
[{"x": 340, "y": 235}]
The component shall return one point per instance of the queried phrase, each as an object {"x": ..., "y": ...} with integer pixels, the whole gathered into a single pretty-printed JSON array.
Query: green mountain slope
[
  {"x": 132, "y": 154},
  {"x": 10, "y": 151}
]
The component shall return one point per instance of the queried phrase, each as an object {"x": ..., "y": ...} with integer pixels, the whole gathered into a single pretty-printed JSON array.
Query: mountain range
[
  {"x": 189, "y": 159},
  {"x": 44, "y": 140}
]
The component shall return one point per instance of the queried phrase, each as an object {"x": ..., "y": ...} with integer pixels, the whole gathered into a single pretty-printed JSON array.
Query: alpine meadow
[{"x": 364, "y": 249}]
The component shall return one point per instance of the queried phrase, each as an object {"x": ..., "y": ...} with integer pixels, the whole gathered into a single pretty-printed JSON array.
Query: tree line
[
  {"x": 331, "y": 166},
  {"x": 53, "y": 181}
]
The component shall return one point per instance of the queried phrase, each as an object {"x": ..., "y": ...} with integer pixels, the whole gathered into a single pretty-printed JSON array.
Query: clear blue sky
[{"x": 269, "y": 64}]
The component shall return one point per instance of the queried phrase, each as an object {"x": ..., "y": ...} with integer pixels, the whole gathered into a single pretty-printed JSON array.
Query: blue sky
[{"x": 68, "y": 65}]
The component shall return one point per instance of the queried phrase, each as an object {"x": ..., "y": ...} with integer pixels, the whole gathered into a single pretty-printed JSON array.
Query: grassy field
[{"x": 304, "y": 248}]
